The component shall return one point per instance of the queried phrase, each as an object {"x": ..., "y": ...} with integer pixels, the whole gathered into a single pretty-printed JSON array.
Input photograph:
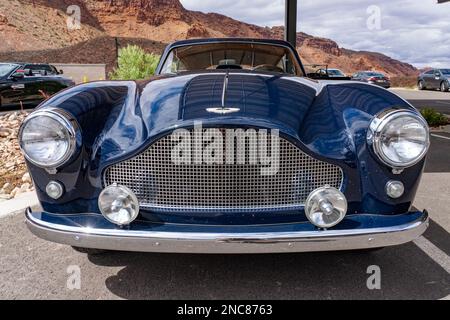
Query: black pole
[
  {"x": 116, "y": 42},
  {"x": 290, "y": 31}
]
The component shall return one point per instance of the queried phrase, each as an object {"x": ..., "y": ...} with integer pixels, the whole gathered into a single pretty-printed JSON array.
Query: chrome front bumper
[{"x": 208, "y": 242}]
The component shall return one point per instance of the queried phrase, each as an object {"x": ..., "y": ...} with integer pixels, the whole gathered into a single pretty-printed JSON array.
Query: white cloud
[{"x": 415, "y": 31}]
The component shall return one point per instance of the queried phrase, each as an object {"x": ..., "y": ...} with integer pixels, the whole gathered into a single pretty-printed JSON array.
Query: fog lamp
[
  {"x": 54, "y": 190},
  {"x": 118, "y": 204},
  {"x": 395, "y": 189},
  {"x": 326, "y": 207}
]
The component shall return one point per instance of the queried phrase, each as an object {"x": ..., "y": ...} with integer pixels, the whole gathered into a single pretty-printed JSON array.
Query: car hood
[{"x": 255, "y": 99}]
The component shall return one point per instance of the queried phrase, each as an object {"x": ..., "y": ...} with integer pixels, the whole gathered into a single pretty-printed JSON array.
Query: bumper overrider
[{"x": 360, "y": 231}]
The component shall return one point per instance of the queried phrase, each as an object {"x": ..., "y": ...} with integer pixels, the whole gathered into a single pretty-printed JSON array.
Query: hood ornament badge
[{"x": 222, "y": 110}]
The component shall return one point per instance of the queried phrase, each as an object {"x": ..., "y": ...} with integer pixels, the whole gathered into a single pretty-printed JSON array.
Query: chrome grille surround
[{"x": 162, "y": 186}]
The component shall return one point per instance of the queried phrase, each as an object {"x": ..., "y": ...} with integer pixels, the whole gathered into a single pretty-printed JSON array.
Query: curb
[
  {"x": 24, "y": 201},
  {"x": 440, "y": 129},
  {"x": 401, "y": 88}
]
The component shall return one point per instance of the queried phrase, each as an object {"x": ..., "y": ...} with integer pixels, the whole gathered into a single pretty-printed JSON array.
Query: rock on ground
[{"x": 14, "y": 177}]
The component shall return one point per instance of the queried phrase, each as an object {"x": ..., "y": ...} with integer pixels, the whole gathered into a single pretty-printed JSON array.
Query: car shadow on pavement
[
  {"x": 406, "y": 273},
  {"x": 437, "y": 158}
]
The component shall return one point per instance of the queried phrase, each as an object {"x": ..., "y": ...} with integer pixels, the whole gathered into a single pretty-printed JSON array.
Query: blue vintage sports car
[{"x": 228, "y": 149}]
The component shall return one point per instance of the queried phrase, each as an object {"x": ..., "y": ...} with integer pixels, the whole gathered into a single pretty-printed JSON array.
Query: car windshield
[
  {"x": 228, "y": 55},
  {"x": 6, "y": 68},
  {"x": 445, "y": 71},
  {"x": 335, "y": 72},
  {"x": 374, "y": 74}
]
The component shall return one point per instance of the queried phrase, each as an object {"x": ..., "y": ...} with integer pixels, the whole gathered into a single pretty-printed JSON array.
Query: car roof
[
  {"x": 25, "y": 63},
  {"x": 369, "y": 71}
]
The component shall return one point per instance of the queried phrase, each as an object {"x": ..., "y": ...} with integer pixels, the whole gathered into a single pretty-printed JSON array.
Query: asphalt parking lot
[
  {"x": 31, "y": 268},
  {"x": 440, "y": 101},
  {"x": 438, "y": 159}
]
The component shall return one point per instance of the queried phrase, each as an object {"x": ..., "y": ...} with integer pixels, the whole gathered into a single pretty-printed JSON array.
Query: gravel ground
[{"x": 14, "y": 178}]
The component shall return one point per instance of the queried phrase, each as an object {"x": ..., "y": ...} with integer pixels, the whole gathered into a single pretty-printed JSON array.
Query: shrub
[
  {"x": 134, "y": 64},
  {"x": 404, "y": 82},
  {"x": 434, "y": 118}
]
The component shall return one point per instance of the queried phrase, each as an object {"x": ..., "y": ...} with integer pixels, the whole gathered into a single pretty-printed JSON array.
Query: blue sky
[{"x": 414, "y": 31}]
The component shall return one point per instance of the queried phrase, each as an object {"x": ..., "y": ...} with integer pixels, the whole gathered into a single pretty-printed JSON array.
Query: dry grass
[{"x": 404, "y": 82}]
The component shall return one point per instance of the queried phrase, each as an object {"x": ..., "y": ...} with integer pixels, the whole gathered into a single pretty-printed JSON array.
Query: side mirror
[
  {"x": 17, "y": 76},
  {"x": 61, "y": 71}
]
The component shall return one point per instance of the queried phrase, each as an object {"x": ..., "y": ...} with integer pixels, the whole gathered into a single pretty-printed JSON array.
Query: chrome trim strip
[
  {"x": 199, "y": 242},
  {"x": 224, "y": 90}
]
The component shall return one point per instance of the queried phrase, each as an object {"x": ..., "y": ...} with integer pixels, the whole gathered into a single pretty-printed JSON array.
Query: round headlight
[
  {"x": 118, "y": 204},
  {"x": 399, "y": 138},
  {"x": 47, "y": 139}
]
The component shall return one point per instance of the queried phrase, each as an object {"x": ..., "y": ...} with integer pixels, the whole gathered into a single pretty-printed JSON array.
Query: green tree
[{"x": 134, "y": 64}]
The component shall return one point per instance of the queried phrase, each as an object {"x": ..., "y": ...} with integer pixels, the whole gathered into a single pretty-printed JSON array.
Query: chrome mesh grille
[{"x": 161, "y": 185}]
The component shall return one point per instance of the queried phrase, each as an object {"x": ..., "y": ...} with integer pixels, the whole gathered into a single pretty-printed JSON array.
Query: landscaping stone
[{"x": 14, "y": 177}]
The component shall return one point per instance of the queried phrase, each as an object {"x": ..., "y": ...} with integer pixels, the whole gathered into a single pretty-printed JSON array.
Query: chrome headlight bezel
[
  {"x": 69, "y": 124},
  {"x": 377, "y": 126}
]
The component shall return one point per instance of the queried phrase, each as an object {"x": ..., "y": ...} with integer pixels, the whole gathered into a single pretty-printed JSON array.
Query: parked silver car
[{"x": 434, "y": 79}]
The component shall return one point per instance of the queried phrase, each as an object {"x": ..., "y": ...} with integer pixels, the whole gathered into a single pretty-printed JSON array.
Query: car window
[
  {"x": 34, "y": 70},
  {"x": 335, "y": 72},
  {"x": 228, "y": 55},
  {"x": 374, "y": 74},
  {"x": 445, "y": 71},
  {"x": 40, "y": 69},
  {"x": 430, "y": 72},
  {"x": 53, "y": 69},
  {"x": 6, "y": 68}
]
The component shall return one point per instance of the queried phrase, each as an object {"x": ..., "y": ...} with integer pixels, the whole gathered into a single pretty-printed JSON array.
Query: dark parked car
[
  {"x": 228, "y": 149},
  {"x": 27, "y": 85},
  {"x": 333, "y": 73},
  {"x": 322, "y": 72},
  {"x": 434, "y": 79},
  {"x": 372, "y": 77}
]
